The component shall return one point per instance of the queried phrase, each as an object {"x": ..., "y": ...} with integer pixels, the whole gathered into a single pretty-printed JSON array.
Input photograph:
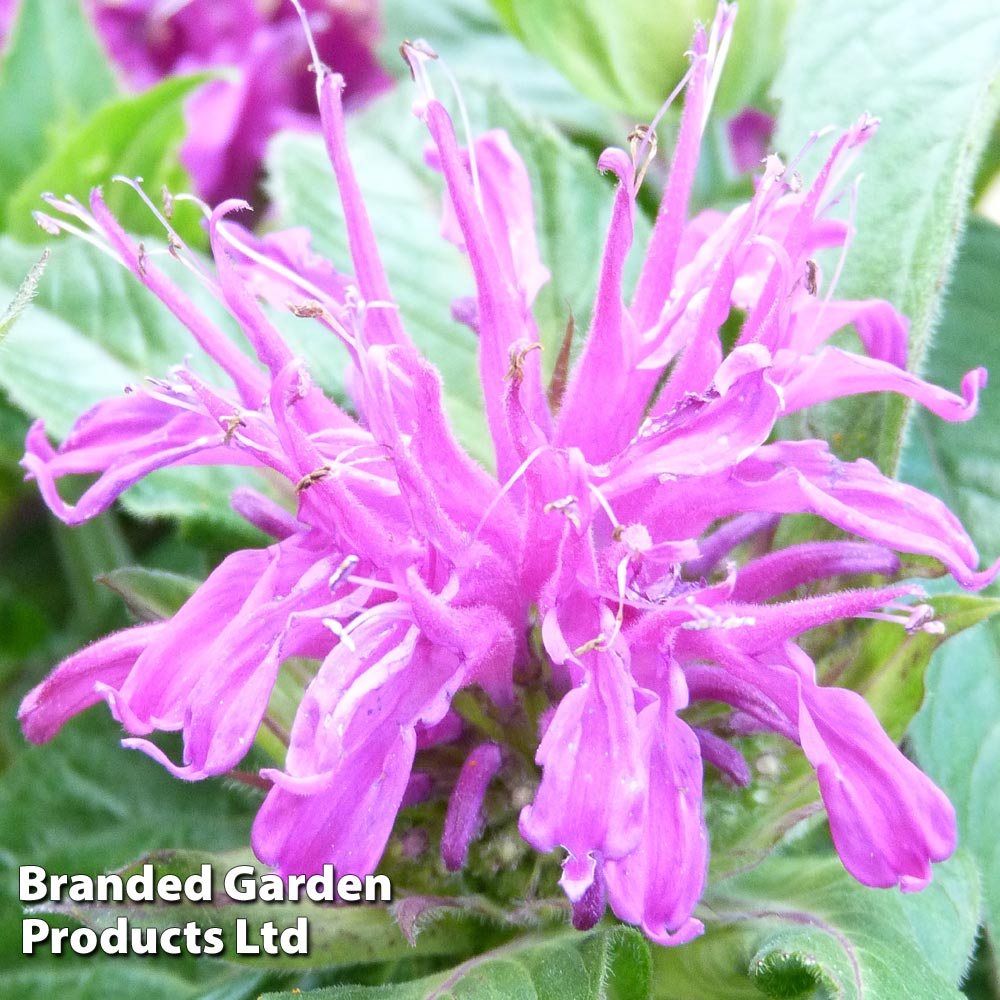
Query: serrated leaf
[
  {"x": 150, "y": 594},
  {"x": 844, "y": 59},
  {"x": 603, "y": 965},
  {"x": 800, "y": 926},
  {"x": 53, "y": 76},
  {"x": 136, "y": 136}
]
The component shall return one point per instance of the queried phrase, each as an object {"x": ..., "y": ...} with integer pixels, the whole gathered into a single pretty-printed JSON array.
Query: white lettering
[
  {"x": 31, "y": 884},
  {"x": 33, "y": 931},
  {"x": 237, "y": 888}
]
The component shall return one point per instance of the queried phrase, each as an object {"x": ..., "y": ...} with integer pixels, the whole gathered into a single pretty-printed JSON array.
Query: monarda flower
[
  {"x": 259, "y": 49},
  {"x": 598, "y": 569}
]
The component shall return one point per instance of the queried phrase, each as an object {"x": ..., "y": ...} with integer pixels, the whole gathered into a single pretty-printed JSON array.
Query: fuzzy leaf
[
  {"x": 604, "y": 965},
  {"x": 800, "y": 926},
  {"x": 843, "y": 60}
]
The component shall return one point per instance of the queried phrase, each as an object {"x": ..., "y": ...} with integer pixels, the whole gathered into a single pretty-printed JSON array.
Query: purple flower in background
[
  {"x": 617, "y": 561},
  {"x": 262, "y": 54}
]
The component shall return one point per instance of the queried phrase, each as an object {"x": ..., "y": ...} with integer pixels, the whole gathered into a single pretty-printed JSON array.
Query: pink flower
[
  {"x": 264, "y": 86},
  {"x": 596, "y": 567}
]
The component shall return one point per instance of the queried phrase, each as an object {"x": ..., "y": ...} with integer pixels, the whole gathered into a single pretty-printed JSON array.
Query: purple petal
[
  {"x": 352, "y": 749},
  {"x": 832, "y": 373},
  {"x": 77, "y": 682},
  {"x": 658, "y": 884},
  {"x": 594, "y": 778},
  {"x": 463, "y": 818}
]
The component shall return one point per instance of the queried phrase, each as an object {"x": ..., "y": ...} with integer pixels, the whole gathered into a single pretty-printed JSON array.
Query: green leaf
[
  {"x": 630, "y": 55},
  {"x": 150, "y": 594},
  {"x": 81, "y": 804},
  {"x": 959, "y": 462},
  {"x": 957, "y": 735},
  {"x": 91, "y": 330},
  {"x": 609, "y": 964},
  {"x": 54, "y": 75},
  {"x": 957, "y": 741},
  {"x": 135, "y": 136},
  {"x": 844, "y": 59},
  {"x": 482, "y": 53},
  {"x": 800, "y": 926},
  {"x": 403, "y": 197},
  {"x": 887, "y": 665}
]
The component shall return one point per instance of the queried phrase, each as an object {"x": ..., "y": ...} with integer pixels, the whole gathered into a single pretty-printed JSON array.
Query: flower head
[
  {"x": 599, "y": 567},
  {"x": 265, "y": 87}
]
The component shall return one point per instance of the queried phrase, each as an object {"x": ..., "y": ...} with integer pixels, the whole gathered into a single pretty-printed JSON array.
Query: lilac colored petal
[
  {"x": 481, "y": 634},
  {"x": 124, "y": 439},
  {"x": 502, "y": 321},
  {"x": 716, "y": 751},
  {"x": 463, "y": 818},
  {"x": 765, "y": 323},
  {"x": 798, "y": 565},
  {"x": 352, "y": 749},
  {"x": 608, "y": 356},
  {"x": 752, "y": 628},
  {"x": 406, "y": 411},
  {"x": 291, "y": 253},
  {"x": 658, "y": 268},
  {"x": 659, "y": 882},
  {"x": 212, "y": 671},
  {"x": 858, "y": 498},
  {"x": 75, "y": 684},
  {"x": 805, "y": 477},
  {"x": 723, "y": 540},
  {"x": 749, "y": 135},
  {"x": 882, "y": 330},
  {"x": 833, "y": 373},
  {"x": 267, "y": 342},
  {"x": 707, "y": 683},
  {"x": 505, "y": 189},
  {"x": 264, "y": 513},
  {"x": 888, "y": 819},
  {"x": 248, "y": 380},
  {"x": 594, "y": 778},
  {"x": 448, "y": 730},
  {"x": 702, "y": 435},
  {"x": 382, "y": 324}
]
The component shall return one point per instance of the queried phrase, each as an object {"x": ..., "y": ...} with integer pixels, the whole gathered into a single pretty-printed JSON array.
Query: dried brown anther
[{"x": 311, "y": 478}]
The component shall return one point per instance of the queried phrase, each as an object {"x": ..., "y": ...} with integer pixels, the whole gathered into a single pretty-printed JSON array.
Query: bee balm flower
[
  {"x": 262, "y": 87},
  {"x": 596, "y": 570}
]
